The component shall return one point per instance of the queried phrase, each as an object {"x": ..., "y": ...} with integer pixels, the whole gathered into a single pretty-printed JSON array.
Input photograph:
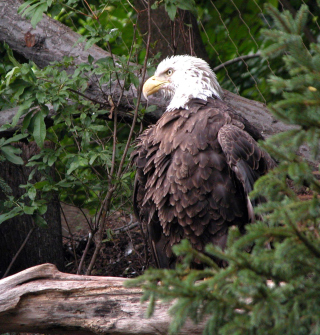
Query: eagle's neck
[{"x": 195, "y": 86}]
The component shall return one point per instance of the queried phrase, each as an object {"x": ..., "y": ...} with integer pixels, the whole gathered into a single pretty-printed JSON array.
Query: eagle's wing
[
  {"x": 145, "y": 211},
  {"x": 245, "y": 158}
]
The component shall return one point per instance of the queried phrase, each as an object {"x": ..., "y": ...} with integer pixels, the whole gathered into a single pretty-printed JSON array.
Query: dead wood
[{"x": 42, "y": 299}]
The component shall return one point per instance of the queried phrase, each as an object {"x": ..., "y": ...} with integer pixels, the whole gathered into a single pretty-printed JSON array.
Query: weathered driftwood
[
  {"x": 42, "y": 299},
  {"x": 53, "y": 40}
]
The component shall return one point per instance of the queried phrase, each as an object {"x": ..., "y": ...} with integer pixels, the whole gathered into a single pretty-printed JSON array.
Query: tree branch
[
  {"x": 235, "y": 60},
  {"x": 19, "y": 251}
]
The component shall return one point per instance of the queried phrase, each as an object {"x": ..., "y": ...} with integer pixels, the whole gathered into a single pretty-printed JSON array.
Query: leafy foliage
[
  {"x": 89, "y": 148},
  {"x": 79, "y": 151},
  {"x": 273, "y": 290}
]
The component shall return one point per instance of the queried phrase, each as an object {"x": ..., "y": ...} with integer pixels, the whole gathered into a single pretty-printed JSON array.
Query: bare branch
[
  {"x": 235, "y": 60},
  {"x": 19, "y": 251}
]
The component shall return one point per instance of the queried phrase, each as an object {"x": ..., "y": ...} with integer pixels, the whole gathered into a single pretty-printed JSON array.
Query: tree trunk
[
  {"x": 42, "y": 299},
  {"x": 44, "y": 243},
  {"x": 178, "y": 37}
]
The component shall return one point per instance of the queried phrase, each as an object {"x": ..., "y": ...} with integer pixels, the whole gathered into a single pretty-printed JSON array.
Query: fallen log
[{"x": 42, "y": 299}]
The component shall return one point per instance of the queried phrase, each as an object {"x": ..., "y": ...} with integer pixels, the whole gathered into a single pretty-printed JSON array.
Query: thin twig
[
  {"x": 127, "y": 227},
  {"x": 19, "y": 251},
  {"x": 302, "y": 238},
  {"x": 94, "y": 15},
  {"x": 84, "y": 253},
  {"x": 144, "y": 70},
  {"x": 130, "y": 53},
  {"x": 114, "y": 146},
  {"x": 101, "y": 219},
  {"x": 71, "y": 235},
  {"x": 235, "y": 60}
]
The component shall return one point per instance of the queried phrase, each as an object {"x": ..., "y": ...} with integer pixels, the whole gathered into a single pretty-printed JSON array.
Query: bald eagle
[{"x": 196, "y": 165}]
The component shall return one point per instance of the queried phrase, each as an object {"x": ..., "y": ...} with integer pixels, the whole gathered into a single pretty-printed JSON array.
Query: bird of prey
[{"x": 197, "y": 164}]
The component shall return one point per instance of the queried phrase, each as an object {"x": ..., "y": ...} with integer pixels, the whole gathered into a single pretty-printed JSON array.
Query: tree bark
[
  {"x": 44, "y": 243},
  {"x": 178, "y": 37},
  {"x": 51, "y": 40},
  {"x": 42, "y": 299}
]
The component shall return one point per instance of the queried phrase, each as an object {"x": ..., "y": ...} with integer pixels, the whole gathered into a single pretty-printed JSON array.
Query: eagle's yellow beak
[{"x": 152, "y": 85}]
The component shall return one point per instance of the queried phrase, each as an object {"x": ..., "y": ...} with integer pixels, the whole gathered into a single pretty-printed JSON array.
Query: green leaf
[
  {"x": 187, "y": 5},
  {"x": 24, "y": 108},
  {"x": 38, "y": 13},
  {"x": 90, "y": 59},
  {"x": 14, "y": 212},
  {"x": 171, "y": 9},
  {"x": 55, "y": 10},
  {"x": 15, "y": 138},
  {"x": 11, "y": 75},
  {"x": 40, "y": 184},
  {"x": 134, "y": 79},
  {"x": 151, "y": 108},
  {"x": 51, "y": 160},
  {"x": 42, "y": 209},
  {"x": 28, "y": 210},
  {"x": 91, "y": 42},
  {"x": 77, "y": 162},
  {"x": 93, "y": 158},
  {"x": 10, "y": 153},
  {"x": 40, "y": 221},
  {"x": 10, "y": 56},
  {"x": 25, "y": 5},
  {"x": 32, "y": 193},
  {"x": 39, "y": 130},
  {"x": 26, "y": 121}
]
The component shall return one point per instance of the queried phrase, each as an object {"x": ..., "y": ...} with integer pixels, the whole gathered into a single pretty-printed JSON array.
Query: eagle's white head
[{"x": 183, "y": 78}]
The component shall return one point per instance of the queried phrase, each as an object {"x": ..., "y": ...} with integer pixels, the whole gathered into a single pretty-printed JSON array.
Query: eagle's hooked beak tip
[{"x": 144, "y": 94}]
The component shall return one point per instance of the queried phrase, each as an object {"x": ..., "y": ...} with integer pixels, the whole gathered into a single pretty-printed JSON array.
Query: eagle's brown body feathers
[{"x": 195, "y": 168}]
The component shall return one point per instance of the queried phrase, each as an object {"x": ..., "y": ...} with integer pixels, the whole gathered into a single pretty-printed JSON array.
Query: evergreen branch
[
  {"x": 306, "y": 30},
  {"x": 278, "y": 18},
  {"x": 301, "y": 237}
]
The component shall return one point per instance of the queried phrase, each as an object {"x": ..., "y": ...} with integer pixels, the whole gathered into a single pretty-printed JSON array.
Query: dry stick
[
  {"x": 126, "y": 228},
  {"x": 100, "y": 218},
  {"x": 102, "y": 215},
  {"x": 139, "y": 96},
  {"x": 19, "y": 251},
  {"x": 130, "y": 53},
  {"x": 114, "y": 147},
  {"x": 234, "y": 60},
  {"x": 84, "y": 253},
  {"x": 71, "y": 235},
  {"x": 85, "y": 216},
  {"x": 146, "y": 243}
]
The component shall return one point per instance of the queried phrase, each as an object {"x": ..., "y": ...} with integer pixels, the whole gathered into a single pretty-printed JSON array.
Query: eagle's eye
[{"x": 169, "y": 72}]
